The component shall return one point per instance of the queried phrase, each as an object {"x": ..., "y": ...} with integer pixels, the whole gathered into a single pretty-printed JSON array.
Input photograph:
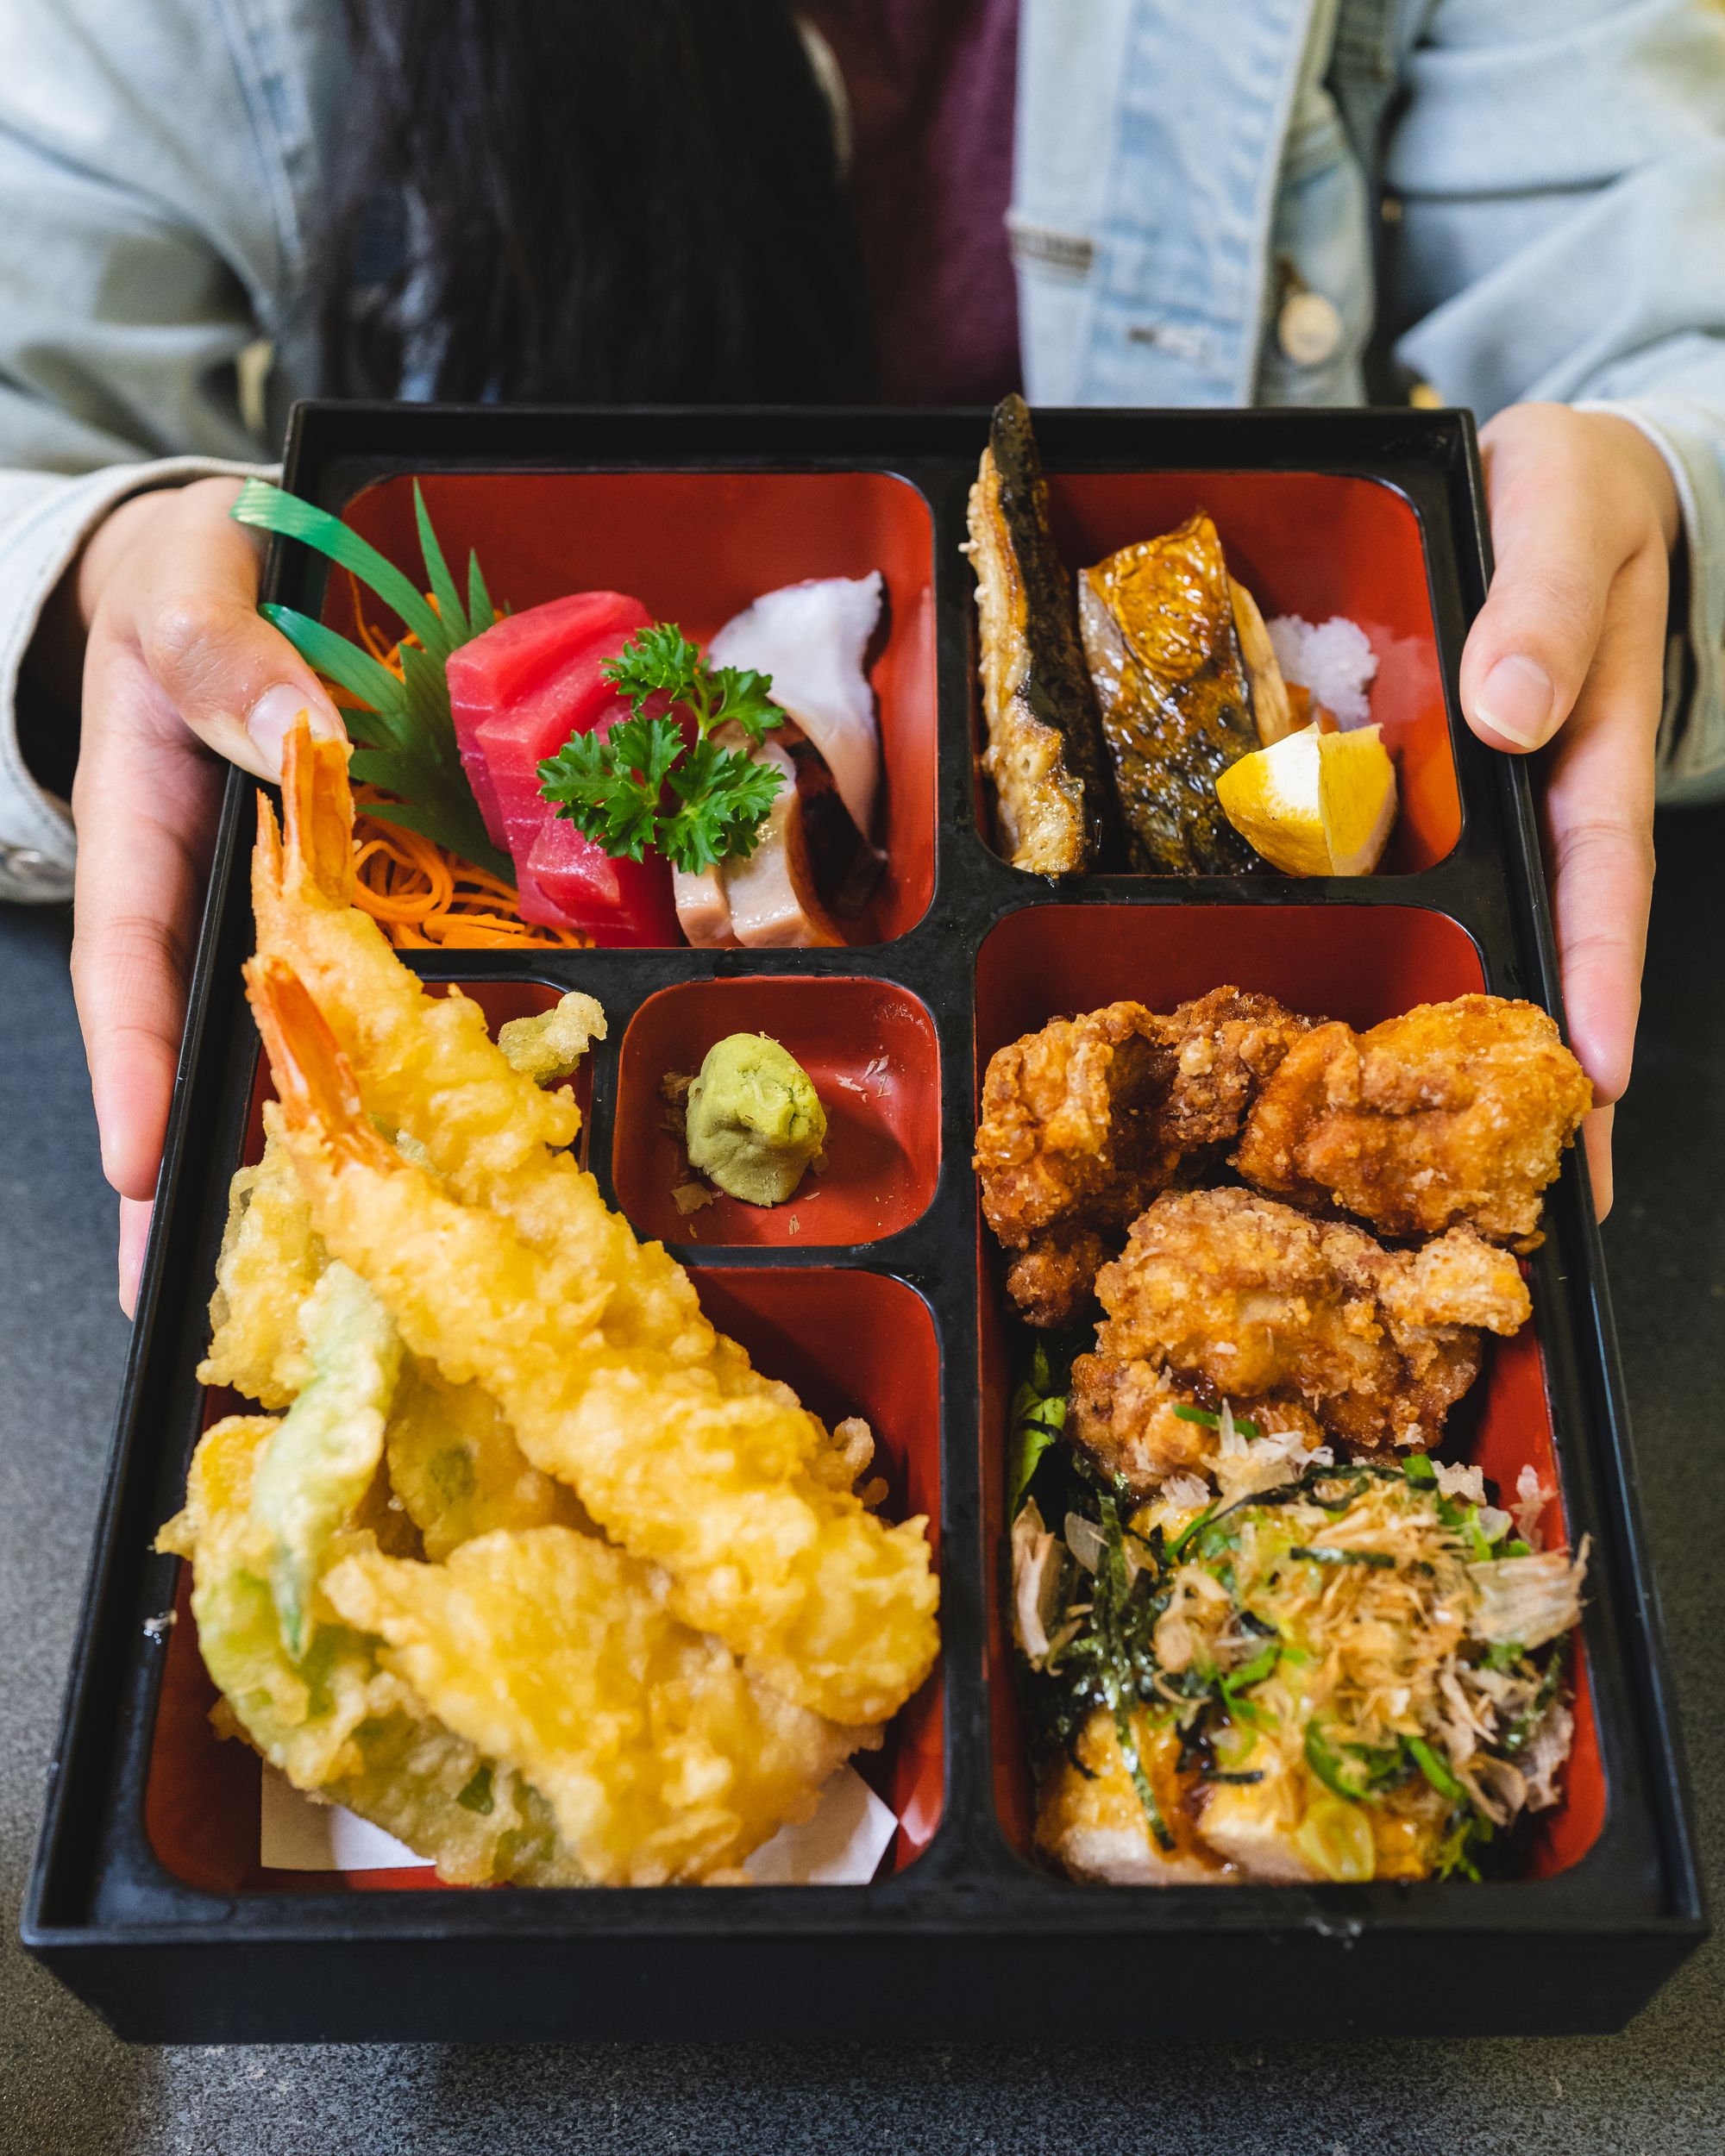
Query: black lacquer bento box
[{"x": 878, "y": 1296}]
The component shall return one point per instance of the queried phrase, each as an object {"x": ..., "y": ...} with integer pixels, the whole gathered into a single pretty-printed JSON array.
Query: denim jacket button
[{"x": 1309, "y": 328}]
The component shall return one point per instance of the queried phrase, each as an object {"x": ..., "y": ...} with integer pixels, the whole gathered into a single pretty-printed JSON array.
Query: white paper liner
[{"x": 840, "y": 1846}]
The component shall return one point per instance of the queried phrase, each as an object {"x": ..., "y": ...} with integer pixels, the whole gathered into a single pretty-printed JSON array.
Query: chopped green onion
[
  {"x": 1211, "y": 1419},
  {"x": 1435, "y": 1771},
  {"x": 1379, "y": 1559},
  {"x": 1330, "y": 1767},
  {"x": 1419, "y": 1469},
  {"x": 1178, "y": 1549}
]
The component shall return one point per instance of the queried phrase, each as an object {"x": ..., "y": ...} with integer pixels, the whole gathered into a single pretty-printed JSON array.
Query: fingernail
[
  {"x": 135, "y": 1234},
  {"x": 275, "y": 711},
  {"x": 1516, "y": 701}
]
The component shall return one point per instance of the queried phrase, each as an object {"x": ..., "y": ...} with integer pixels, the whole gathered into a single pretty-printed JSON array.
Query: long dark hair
[{"x": 598, "y": 201}]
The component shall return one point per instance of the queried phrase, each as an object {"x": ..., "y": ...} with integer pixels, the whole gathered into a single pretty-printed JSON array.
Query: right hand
[{"x": 179, "y": 671}]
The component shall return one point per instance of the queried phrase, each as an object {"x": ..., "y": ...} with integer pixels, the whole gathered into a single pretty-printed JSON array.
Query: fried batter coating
[
  {"x": 1071, "y": 1128},
  {"x": 660, "y": 1759},
  {"x": 457, "y": 1469},
  {"x": 1454, "y": 1113},
  {"x": 1123, "y": 1414},
  {"x": 1258, "y": 1302},
  {"x": 452, "y": 1460},
  {"x": 325, "y": 1451},
  {"x": 1051, "y": 1280},
  {"x": 1084, "y": 1122},
  {"x": 1225, "y": 1046},
  {"x": 270, "y": 1262},
  {"x": 428, "y": 1070},
  {"x": 549, "y": 1048},
  {"x": 341, "y": 1728},
  {"x": 676, "y": 1446}
]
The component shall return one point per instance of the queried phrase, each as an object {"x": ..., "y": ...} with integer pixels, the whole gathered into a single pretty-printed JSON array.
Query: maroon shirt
[{"x": 931, "y": 85}]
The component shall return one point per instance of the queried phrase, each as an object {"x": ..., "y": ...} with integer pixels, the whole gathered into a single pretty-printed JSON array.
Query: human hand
[
  {"x": 177, "y": 663},
  {"x": 1569, "y": 650}
]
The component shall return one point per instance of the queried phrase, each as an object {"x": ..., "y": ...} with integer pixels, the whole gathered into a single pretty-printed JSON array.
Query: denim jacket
[{"x": 1216, "y": 202}]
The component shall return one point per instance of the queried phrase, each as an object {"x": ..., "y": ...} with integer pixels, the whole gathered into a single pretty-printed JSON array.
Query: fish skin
[
  {"x": 1044, "y": 749},
  {"x": 1157, "y": 622}
]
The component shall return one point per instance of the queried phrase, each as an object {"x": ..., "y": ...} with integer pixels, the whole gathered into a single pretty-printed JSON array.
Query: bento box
[{"x": 881, "y": 1295}]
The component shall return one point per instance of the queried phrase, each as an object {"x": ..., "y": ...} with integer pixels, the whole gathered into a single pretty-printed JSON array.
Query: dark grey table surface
[{"x": 68, "y": 2089}]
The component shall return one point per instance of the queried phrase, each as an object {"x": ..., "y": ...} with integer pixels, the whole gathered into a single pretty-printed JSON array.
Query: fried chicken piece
[
  {"x": 1071, "y": 1148},
  {"x": 1051, "y": 1280},
  {"x": 1125, "y": 1415},
  {"x": 1084, "y": 1122},
  {"x": 1225, "y": 1046},
  {"x": 1453, "y": 1113},
  {"x": 1225, "y": 1289}
]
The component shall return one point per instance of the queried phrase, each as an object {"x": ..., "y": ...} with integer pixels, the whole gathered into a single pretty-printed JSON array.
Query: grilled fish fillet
[
  {"x": 1044, "y": 752},
  {"x": 1157, "y": 620}
]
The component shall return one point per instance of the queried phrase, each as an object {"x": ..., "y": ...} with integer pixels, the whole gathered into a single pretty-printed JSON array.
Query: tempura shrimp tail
[
  {"x": 318, "y": 810},
  {"x": 426, "y": 1064}
]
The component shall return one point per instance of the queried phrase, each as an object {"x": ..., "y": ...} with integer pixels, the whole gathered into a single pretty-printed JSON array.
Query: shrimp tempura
[{"x": 679, "y": 1450}]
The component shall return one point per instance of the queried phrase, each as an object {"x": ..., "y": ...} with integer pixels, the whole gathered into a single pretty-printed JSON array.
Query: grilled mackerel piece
[
  {"x": 1044, "y": 753},
  {"x": 1158, "y": 627}
]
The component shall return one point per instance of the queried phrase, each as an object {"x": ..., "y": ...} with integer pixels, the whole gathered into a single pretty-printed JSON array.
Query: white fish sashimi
[
  {"x": 703, "y": 909},
  {"x": 771, "y": 895},
  {"x": 810, "y": 638}
]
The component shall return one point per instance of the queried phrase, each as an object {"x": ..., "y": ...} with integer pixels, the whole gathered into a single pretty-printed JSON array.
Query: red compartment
[
  {"x": 1317, "y": 544},
  {"x": 850, "y": 1344},
  {"x": 871, "y": 1049},
  {"x": 1362, "y": 963},
  {"x": 696, "y": 547}
]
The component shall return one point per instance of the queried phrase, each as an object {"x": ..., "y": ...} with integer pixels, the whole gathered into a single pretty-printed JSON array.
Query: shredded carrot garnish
[
  {"x": 422, "y": 897},
  {"x": 426, "y": 898}
]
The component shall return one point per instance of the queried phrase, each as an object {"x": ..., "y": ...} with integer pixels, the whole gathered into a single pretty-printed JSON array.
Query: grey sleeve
[
  {"x": 159, "y": 162},
  {"x": 1559, "y": 168}
]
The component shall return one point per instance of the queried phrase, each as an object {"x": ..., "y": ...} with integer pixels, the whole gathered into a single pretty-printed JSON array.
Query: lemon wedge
[{"x": 1314, "y": 804}]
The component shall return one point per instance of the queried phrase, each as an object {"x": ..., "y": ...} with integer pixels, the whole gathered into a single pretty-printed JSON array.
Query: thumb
[{"x": 1531, "y": 647}]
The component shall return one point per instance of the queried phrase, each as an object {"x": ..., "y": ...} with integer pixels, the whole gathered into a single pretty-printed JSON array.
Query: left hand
[{"x": 1568, "y": 649}]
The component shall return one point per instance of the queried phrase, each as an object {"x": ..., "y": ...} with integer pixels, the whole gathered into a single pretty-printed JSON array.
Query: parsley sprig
[{"x": 615, "y": 791}]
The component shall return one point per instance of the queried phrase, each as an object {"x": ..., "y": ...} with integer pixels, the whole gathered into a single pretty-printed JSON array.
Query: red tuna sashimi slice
[
  {"x": 518, "y": 691},
  {"x": 567, "y": 881}
]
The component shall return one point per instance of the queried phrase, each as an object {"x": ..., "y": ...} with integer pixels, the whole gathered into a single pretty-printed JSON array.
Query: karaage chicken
[
  {"x": 1453, "y": 1113},
  {"x": 1233, "y": 1292},
  {"x": 1084, "y": 1122}
]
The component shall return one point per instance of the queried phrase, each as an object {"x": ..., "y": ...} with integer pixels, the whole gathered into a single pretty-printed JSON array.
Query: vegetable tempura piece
[
  {"x": 549, "y": 1048},
  {"x": 270, "y": 1262},
  {"x": 457, "y": 1469},
  {"x": 1044, "y": 755},
  {"x": 675, "y": 1445},
  {"x": 324, "y": 1452},
  {"x": 660, "y": 1760},
  {"x": 342, "y": 1729}
]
